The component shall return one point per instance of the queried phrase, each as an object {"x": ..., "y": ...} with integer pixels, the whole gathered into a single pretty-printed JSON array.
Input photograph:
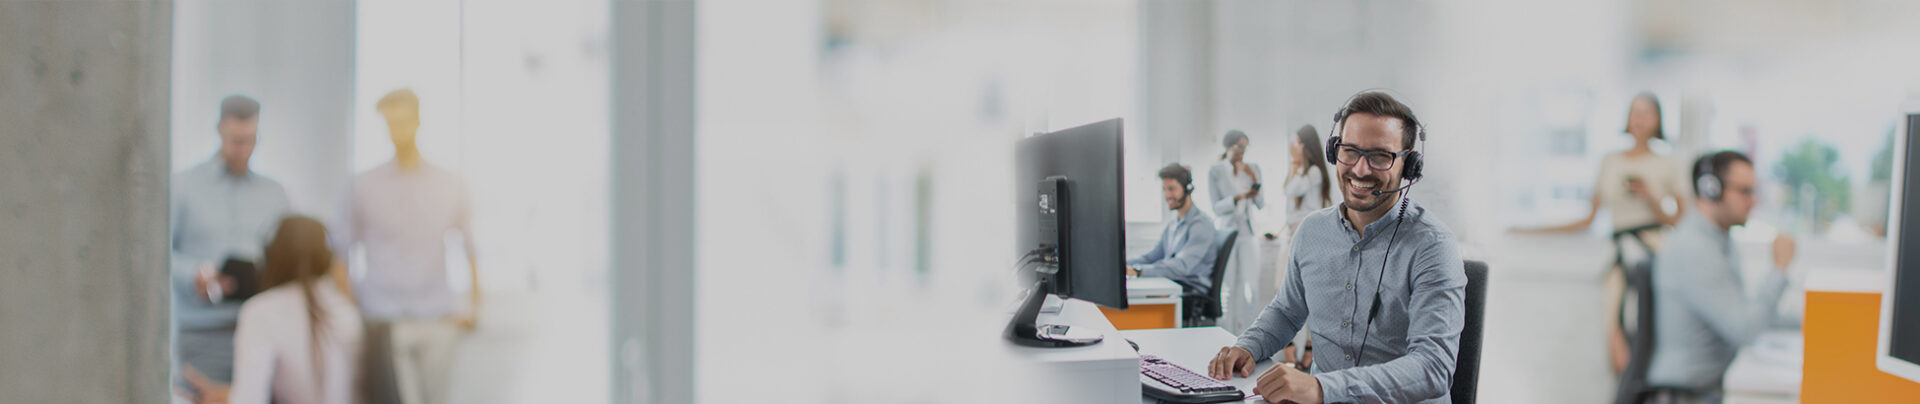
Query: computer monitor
[
  {"x": 1068, "y": 214},
  {"x": 1899, "y": 349}
]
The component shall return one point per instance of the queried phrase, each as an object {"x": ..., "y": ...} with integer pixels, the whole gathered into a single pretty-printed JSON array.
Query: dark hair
[
  {"x": 299, "y": 255},
  {"x": 238, "y": 107},
  {"x": 1716, "y": 163},
  {"x": 1177, "y": 173},
  {"x": 1311, "y": 150},
  {"x": 1659, "y": 130},
  {"x": 1233, "y": 137},
  {"x": 1379, "y": 103}
]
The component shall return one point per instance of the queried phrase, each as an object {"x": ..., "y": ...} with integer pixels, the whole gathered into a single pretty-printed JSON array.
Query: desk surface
[
  {"x": 1152, "y": 286},
  {"x": 1766, "y": 371},
  {"x": 1192, "y": 348}
]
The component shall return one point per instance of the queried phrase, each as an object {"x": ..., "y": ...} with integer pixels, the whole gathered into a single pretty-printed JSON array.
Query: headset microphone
[{"x": 1403, "y": 188}]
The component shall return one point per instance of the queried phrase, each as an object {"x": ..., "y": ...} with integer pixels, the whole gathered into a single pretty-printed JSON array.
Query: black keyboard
[{"x": 1169, "y": 382}]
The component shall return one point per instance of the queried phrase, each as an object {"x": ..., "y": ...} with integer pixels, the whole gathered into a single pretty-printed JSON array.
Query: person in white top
[
  {"x": 1307, "y": 187},
  {"x": 1307, "y": 190},
  {"x": 299, "y": 341},
  {"x": 1634, "y": 185},
  {"x": 400, "y": 214},
  {"x": 1234, "y": 185}
]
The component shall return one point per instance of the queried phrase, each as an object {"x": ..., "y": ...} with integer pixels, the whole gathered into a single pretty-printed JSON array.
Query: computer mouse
[{"x": 1136, "y": 347}]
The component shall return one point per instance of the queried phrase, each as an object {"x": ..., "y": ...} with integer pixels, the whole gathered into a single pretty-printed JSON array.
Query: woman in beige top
[{"x": 1634, "y": 185}]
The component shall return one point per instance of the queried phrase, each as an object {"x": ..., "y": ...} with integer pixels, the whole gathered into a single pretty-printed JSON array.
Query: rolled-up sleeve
[{"x": 1435, "y": 317}]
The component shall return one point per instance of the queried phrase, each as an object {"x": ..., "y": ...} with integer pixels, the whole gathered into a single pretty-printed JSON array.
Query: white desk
[
  {"x": 1191, "y": 348},
  {"x": 1107, "y": 372},
  {"x": 1767, "y": 371}
]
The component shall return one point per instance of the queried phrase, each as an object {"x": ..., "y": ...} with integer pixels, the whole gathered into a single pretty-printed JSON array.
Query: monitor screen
[{"x": 1904, "y": 304}]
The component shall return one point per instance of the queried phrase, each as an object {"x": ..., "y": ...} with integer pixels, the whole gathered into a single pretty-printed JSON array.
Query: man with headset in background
[
  {"x": 1704, "y": 314},
  {"x": 1185, "y": 252},
  {"x": 1378, "y": 279}
]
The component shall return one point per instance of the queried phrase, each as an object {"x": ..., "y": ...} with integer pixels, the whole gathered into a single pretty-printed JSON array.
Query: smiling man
[{"x": 1378, "y": 279}]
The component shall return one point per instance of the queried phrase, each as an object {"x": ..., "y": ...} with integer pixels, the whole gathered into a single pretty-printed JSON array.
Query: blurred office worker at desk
[
  {"x": 1704, "y": 314},
  {"x": 221, "y": 210},
  {"x": 1185, "y": 252},
  {"x": 1379, "y": 279}
]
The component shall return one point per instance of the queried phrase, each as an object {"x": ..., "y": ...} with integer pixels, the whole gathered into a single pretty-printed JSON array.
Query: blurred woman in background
[
  {"x": 1307, "y": 187},
  {"x": 1234, "y": 185},
  {"x": 300, "y": 340},
  {"x": 1634, "y": 185}
]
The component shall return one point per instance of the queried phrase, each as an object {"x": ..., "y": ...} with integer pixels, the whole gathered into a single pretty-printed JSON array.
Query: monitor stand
[{"x": 1022, "y": 330}]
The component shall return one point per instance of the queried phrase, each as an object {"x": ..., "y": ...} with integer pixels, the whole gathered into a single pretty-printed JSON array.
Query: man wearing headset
[
  {"x": 1377, "y": 278},
  {"x": 1185, "y": 252},
  {"x": 1704, "y": 314}
]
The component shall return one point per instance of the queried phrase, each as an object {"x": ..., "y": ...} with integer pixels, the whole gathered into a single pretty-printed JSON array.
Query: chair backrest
[
  {"x": 1213, "y": 309},
  {"x": 1633, "y": 380},
  {"x": 1466, "y": 368}
]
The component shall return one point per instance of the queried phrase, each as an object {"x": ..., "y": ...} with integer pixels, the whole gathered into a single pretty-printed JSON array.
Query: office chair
[
  {"x": 1634, "y": 387},
  {"x": 1466, "y": 368},
  {"x": 1202, "y": 309}
]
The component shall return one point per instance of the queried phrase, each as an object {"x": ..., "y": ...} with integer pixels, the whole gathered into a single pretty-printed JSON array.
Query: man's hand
[
  {"x": 1230, "y": 360},
  {"x": 1783, "y": 250},
  {"x": 1639, "y": 190},
  {"x": 210, "y": 276},
  {"x": 1132, "y": 272},
  {"x": 471, "y": 319},
  {"x": 1286, "y": 384}
]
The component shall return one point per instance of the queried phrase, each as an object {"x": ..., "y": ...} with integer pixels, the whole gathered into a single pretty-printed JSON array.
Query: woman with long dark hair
[
  {"x": 299, "y": 341},
  {"x": 1307, "y": 187}
]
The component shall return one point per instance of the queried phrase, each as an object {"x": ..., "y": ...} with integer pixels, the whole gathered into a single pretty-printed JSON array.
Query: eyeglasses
[{"x": 1377, "y": 160}]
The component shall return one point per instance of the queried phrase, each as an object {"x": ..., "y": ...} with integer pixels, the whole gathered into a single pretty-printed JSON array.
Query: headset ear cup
[
  {"x": 1709, "y": 186},
  {"x": 1333, "y": 150},
  {"x": 1414, "y": 165}
]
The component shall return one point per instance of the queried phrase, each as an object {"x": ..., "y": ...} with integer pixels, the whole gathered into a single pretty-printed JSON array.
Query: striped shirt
[{"x": 1407, "y": 353}]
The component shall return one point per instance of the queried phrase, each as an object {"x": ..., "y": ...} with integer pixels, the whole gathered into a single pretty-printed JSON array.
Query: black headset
[
  {"x": 1708, "y": 185},
  {"x": 1412, "y": 171}
]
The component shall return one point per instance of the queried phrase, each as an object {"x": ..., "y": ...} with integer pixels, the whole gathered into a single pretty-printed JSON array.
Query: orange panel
[
  {"x": 1143, "y": 316},
  {"x": 1842, "y": 329}
]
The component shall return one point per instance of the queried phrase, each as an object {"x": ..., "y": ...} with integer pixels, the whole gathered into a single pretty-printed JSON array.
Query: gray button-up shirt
[
  {"x": 217, "y": 215},
  {"x": 1407, "y": 354},
  {"x": 1702, "y": 313},
  {"x": 1185, "y": 252}
]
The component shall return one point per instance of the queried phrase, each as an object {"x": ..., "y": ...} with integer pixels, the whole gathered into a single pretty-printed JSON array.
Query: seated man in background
[
  {"x": 1704, "y": 315},
  {"x": 1185, "y": 252}
]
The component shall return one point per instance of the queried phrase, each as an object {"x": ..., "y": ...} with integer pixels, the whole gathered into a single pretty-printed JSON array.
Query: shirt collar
[
  {"x": 1698, "y": 223},
  {"x": 1399, "y": 209},
  {"x": 220, "y": 170}
]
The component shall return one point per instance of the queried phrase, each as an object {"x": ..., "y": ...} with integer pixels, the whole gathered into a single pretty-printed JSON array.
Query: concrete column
[
  {"x": 1176, "y": 52},
  {"x": 651, "y": 271},
  {"x": 83, "y": 201}
]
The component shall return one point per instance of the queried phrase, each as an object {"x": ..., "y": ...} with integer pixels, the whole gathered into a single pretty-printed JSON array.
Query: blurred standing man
[
  {"x": 220, "y": 210},
  {"x": 1704, "y": 313},
  {"x": 400, "y": 214}
]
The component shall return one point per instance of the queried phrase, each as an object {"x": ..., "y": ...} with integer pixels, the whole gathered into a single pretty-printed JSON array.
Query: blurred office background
[{"x": 734, "y": 200}]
